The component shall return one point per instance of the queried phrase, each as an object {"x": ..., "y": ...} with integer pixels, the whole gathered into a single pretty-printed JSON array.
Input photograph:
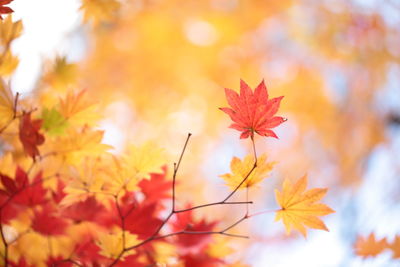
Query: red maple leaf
[
  {"x": 142, "y": 221},
  {"x": 87, "y": 252},
  {"x": 47, "y": 222},
  {"x": 32, "y": 194},
  {"x": 88, "y": 210},
  {"x": 191, "y": 243},
  {"x": 157, "y": 188},
  {"x": 253, "y": 112},
  {"x": 29, "y": 134},
  {"x": 5, "y": 9},
  {"x": 201, "y": 260}
]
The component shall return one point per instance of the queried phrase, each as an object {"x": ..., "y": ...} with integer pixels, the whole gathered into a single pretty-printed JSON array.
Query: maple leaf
[
  {"x": 29, "y": 134},
  {"x": 145, "y": 159},
  {"x": 78, "y": 108},
  {"x": 33, "y": 193},
  {"x": 87, "y": 210},
  {"x": 240, "y": 169},
  {"x": 142, "y": 221},
  {"x": 99, "y": 10},
  {"x": 298, "y": 207},
  {"x": 53, "y": 122},
  {"x": 6, "y": 103},
  {"x": 5, "y": 9},
  {"x": 395, "y": 247},
  {"x": 201, "y": 260},
  {"x": 61, "y": 74},
  {"x": 8, "y": 63},
  {"x": 47, "y": 222},
  {"x": 111, "y": 244},
  {"x": 10, "y": 30},
  {"x": 157, "y": 188},
  {"x": 367, "y": 247},
  {"x": 192, "y": 244},
  {"x": 253, "y": 112}
]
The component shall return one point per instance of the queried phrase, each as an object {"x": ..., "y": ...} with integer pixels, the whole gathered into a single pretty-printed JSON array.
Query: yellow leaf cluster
[
  {"x": 111, "y": 244},
  {"x": 299, "y": 207},
  {"x": 240, "y": 169}
]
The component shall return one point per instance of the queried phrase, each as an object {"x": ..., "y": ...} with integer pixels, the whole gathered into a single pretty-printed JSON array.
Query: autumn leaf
[
  {"x": 241, "y": 169},
  {"x": 79, "y": 143},
  {"x": 395, "y": 247},
  {"x": 62, "y": 74},
  {"x": 46, "y": 222},
  {"x": 29, "y": 134},
  {"x": 6, "y": 103},
  {"x": 9, "y": 30},
  {"x": 142, "y": 221},
  {"x": 99, "y": 10},
  {"x": 192, "y": 244},
  {"x": 111, "y": 244},
  {"x": 78, "y": 108},
  {"x": 157, "y": 188},
  {"x": 145, "y": 159},
  {"x": 298, "y": 207},
  {"x": 368, "y": 247},
  {"x": 8, "y": 63},
  {"x": 53, "y": 122},
  {"x": 253, "y": 112},
  {"x": 5, "y": 9}
]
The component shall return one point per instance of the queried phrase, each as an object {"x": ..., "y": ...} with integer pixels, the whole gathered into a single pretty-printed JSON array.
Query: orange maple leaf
[
  {"x": 29, "y": 134},
  {"x": 5, "y": 9},
  {"x": 253, "y": 112},
  {"x": 298, "y": 207},
  {"x": 368, "y": 247},
  {"x": 395, "y": 247}
]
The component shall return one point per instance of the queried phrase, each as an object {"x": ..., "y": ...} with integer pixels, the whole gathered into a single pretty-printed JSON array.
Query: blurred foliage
[{"x": 156, "y": 69}]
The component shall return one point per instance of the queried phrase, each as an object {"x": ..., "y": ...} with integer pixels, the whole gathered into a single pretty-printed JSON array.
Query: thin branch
[
  {"x": 214, "y": 204},
  {"x": 3, "y": 238},
  {"x": 176, "y": 167}
]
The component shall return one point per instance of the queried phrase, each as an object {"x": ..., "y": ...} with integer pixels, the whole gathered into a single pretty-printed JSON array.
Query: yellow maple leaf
[
  {"x": 61, "y": 74},
  {"x": 6, "y": 103},
  {"x": 220, "y": 248},
  {"x": 144, "y": 160},
  {"x": 9, "y": 30},
  {"x": 369, "y": 247},
  {"x": 119, "y": 176},
  {"x": 79, "y": 109},
  {"x": 8, "y": 63},
  {"x": 84, "y": 181},
  {"x": 298, "y": 207},
  {"x": 99, "y": 10},
  {"x": 78, "y": 144},
  {"x": 111, "y": 244},
  {"x": 240, "y": 169}
]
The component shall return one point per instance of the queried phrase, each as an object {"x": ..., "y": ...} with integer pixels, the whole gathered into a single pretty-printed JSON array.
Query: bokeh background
[{"x": 158, "y": 69}]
